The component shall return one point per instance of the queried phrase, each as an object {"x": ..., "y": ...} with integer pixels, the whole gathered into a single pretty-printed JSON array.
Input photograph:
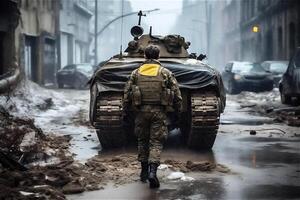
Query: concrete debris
[
  {"x": 191, "y": 166},
  {"x": 200, "y": 166},
  {"x": 268, "y": 104}
]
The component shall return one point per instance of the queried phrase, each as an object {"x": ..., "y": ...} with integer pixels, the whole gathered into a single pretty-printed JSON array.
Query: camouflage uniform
[{"x": 151, "y": 120}]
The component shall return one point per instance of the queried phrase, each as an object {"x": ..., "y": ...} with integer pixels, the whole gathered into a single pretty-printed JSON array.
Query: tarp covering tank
[{"x": 190, "y": 74}]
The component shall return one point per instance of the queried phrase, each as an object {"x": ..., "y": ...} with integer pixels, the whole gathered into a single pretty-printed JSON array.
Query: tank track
[
  {"x": 205, "y": 117},
  {"x": 108, "y": 121}
]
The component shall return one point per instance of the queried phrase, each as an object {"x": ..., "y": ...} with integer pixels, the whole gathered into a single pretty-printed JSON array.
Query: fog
[
  {"x": 162, "y": 20},
  {"x": 218, "y": 28}
]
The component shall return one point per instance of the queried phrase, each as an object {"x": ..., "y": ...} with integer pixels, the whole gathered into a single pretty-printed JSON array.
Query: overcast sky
[{"x": 162, "y": 20}]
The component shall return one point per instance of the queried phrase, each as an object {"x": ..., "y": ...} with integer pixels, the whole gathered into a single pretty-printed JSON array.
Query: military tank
[{"x": 200, "y": 84}]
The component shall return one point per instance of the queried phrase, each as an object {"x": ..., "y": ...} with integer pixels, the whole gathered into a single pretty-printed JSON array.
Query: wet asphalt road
[{"x": 263, "y": 166}]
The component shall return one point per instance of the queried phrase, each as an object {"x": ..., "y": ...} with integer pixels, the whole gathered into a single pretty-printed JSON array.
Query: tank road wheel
[
  {"x": 108, "y": 121},
  {"x": 205, "y": 116}
]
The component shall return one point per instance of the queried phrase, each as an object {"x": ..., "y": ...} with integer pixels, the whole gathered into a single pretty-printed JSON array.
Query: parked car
[
  {"x": 277, "y": 68},
  {"x": 289, "y": 85},
  {"x": 74, "y": 75},
  {"x": 246, "y": 76}
]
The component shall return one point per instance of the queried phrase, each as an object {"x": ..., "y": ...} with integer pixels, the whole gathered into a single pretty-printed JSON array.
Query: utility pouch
[
  {"x": 136, "y": 96},
  {"x": 164, "y": 97},
  {"x": 170, "y": 97},
  {"x": 167, "y": 97}
]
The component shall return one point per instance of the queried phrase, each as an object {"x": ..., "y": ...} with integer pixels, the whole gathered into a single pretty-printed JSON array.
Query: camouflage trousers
[{"x": 151, "y": 131}]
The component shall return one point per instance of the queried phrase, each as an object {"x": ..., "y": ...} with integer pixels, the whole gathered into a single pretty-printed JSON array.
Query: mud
[{"x": 192, "y": 166}]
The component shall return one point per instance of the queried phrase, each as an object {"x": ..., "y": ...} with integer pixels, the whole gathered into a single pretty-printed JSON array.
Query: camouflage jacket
[{"x": 170, "y": 81}]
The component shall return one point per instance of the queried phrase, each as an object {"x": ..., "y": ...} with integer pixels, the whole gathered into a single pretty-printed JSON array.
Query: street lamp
[
  {"x": 255, "y": 29},
  {"x": 112, "y": 21}
]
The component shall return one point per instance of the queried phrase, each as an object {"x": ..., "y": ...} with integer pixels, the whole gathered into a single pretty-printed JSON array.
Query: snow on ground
[
  {"x": 29, "y": 98},
  {"x": 259, "y": 98},
  {"x": 60, "y": 112}
]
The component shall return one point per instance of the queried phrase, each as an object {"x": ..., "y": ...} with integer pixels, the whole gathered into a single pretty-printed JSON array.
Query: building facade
[
  {"x": 75, "y": 37},
  {"x": 232, "y": 33},
  {"x": 192, "y": 24},
  {"x": 259, "y": 30},
  {"x": 200, "y": 22},
  {"x": 37, "y": 39},
  {"x": 117, "y": 33},
  {"x": 9, "y": 67},
  {"x": 278, "y": 29},
  {"x": 9, "y": 20}
]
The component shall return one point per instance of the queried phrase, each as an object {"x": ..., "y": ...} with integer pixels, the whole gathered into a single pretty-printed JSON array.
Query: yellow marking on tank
[{"x": 149, "y": 69}]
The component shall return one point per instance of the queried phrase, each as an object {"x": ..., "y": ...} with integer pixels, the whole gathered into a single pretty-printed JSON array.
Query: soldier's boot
[
  {"x": 144, "y": 172},
  {"x": 154, "y": 182}
]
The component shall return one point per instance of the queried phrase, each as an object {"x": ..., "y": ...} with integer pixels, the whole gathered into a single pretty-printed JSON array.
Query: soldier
[{"x": 150, "y": 89}]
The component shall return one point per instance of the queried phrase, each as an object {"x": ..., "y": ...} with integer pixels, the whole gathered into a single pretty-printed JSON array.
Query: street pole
[
  {"x": 208, "y": 25},
  {"x": 121, "y": 16},
  {"x": 95, "y": 33}
]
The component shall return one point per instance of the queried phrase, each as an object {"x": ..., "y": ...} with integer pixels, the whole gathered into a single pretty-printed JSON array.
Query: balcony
[{"x": 83, "y": 7}]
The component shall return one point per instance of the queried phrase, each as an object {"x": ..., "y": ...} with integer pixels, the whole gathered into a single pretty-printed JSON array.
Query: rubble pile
[
  {"x": 23, "y": 141},
  {"x": 23, "y": 147},
  {"x": 29, "y": 98},
  {"x": 269, "y": 104},
  {"x": 14, "y": 129}
]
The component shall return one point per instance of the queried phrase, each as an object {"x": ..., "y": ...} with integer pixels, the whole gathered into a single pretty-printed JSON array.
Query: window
[
  {"x": 280, "y": 42},
  {"x": 85, "y": 68},
  {"x": 292, "y": 37},
  {"x": 69, "y": 67}
]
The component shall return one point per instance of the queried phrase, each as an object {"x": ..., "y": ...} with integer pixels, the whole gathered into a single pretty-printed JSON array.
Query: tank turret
[{"x": 170, "y": 45}]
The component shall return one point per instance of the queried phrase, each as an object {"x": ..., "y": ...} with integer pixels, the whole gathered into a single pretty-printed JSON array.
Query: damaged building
[
  {"x": 38, "y": 30},
  {"x": 259, "y": 30},
  {"x": 40, "y": 37},
  {"x": 9, "y": 68}
]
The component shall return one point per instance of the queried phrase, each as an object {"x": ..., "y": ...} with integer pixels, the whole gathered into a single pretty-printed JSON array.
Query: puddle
[
  {"x": 250, "y": 122},
  {"x": 272, "y": 192},
  {"x": 267, "y": 139}
]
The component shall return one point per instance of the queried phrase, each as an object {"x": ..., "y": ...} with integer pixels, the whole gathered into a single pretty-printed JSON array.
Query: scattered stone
[
  {"x": 48, "y": 103},
  {"x": 73, "y": 187},
  {"x": 176, "y": 165},
  {"x": 252, "y": 132},
  {"x": 222, "y": 168},
  {"x": 248, "y": 105},
  {"x": 200, "y": 166}
]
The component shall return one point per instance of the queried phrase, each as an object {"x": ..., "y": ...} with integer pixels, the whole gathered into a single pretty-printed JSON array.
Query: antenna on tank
[
  {"x": 140, "y": 14},
  {"x": 121, "y": 54}
]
